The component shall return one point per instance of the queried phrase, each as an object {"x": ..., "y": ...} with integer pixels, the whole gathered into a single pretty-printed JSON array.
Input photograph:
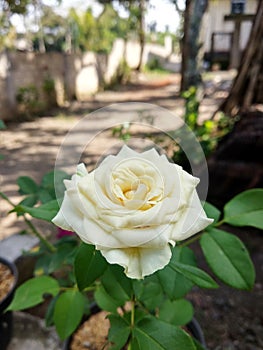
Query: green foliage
[
  {"x": 149, "y": 292},
  {"x": 96, "y": 34},
  {"x": 88, "y": 265},
  {"x": 146, "y": 313},
  {"x": 45, "y": 211},
  {"x": 122, "y": 132},
  {"x": 62, "y": 257},
  {"x": 49, "y": 85},
  {"x": 69, "y": 309},
  {"x": 228, "y": 258},
  {"x": 152, "y": 333},
  {"x": 117, "y": 284},
  {"x": 50, "y": 186},
  {"x": 28, "y": 99},
  {"x": 54, "y": 29},
  {"x": 31, "y": 292},
  {"x": 46, "y": 193},
  {"x": 178, "y": 312},
  {"x": 27, "y": 95},
  {"x": 246, "y": 209},
  {"x": 212, "y": 212},
  {"x": 195, "y": 275},
  {"x": 155, "y": 65},
  {"x": 208, "y": 133},
  {"x": 119, "y": 331},
  {"x": 173, "y": 283},
  {"x": 105, "y": 301}
]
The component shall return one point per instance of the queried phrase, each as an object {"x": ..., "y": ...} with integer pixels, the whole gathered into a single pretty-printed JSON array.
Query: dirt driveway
[{"x": 31, "y": 148}]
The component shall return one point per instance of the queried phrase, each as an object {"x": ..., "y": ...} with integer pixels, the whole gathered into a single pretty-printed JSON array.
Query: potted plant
[
  {"x": 136, "y": 215},
  {"x": 8, "y": 280}
]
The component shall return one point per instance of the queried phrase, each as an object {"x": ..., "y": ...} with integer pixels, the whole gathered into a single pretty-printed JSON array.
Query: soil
[
  {"x": 92, "y": 335},
  {"x": 231, "y": 319},
  {"x": 7, "y": 280}
]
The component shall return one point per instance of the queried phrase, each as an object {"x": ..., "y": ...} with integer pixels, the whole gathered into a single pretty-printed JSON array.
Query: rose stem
[{"x": 31, "y": 226}]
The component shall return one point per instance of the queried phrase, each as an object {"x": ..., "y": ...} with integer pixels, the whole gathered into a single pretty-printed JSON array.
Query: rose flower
[{"x": 133, "y": 208}]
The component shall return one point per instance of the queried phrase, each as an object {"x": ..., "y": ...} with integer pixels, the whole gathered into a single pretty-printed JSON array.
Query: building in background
[{"x": 227, "y": 26}]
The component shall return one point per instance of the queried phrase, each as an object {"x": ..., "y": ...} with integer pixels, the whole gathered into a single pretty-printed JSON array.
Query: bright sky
[{"x": 160, "y": 11}]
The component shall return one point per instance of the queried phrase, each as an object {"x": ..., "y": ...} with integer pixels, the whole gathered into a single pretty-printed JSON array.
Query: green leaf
[
  {"x": 31, "y": 292},
  {"x": 50, "y": 312},
  {"x": 117, "y": 284},
  {"x": 177, "y": 312},
  {"x": 154, "y": 334},
  {"x": 42, "y": 264},
  {"x": 89, "y": 265},
  {"x": 246, "y": 209},
  {"x": 174, "y": 284},
  {"x": 212, "y": 212},
  {"x": 53, "y": 183},
  {"x": 48, "y": 262},
  {"x": 46, "y": 211},
  {"x": 30, "y": 200},
  {"x": 119, "y": 331},
  {"x": 149, "y": 292},
  {"x": 105, "y": 301},
  {"x": 228, "y": 258},
  {"x": 198, "y": 345},
  {"x": 45, "y": 196},
  {"x": 68, "y": 312},
  {"x": 27, "y": 185},
  {"x": 194, "y": 274}
]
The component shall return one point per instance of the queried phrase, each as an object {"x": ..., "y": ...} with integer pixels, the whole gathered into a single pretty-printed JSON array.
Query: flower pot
[
  {"x": 192, "y": 327},
  {"x": 6, "y": 319}
]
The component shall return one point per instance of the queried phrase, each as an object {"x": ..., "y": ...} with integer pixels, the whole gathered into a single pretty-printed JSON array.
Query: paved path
[{"x": 31, "y": 148}]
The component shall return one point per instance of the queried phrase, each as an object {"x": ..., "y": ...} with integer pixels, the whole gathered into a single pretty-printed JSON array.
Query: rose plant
[{"x": 134, "y": 214}]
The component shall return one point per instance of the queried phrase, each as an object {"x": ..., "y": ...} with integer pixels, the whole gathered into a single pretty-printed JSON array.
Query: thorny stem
[{"x": 31, "y": 226}]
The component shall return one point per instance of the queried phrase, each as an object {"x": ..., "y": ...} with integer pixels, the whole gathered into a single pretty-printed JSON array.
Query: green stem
[
  {"x": 7, "y": 199},
  {"x": 191, "y": 240},
  {"x": 219, "y": 223},
  {"x": 132, "y": 322},
  {"x": 31, "y": 226},
  {"x": 89, "y": 289},
  {"x": 39, "y": 235},
  {"x": 132, "y": 313}
]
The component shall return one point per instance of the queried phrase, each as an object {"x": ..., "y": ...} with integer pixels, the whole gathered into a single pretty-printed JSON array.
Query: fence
[{"x": 38, "y": 80}]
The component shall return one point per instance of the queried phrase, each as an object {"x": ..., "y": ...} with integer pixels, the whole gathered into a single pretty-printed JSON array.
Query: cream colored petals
[{"x": 132, "y": 208}]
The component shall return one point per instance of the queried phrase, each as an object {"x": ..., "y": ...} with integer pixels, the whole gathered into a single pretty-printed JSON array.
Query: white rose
[{"x": 132, "y": 208}]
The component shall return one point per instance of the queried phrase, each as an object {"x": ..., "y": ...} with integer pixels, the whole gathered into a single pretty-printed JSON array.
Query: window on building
[{"x": 238, "y": 6}]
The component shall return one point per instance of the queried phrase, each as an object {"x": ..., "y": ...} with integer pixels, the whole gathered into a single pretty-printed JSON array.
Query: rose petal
[
  {"x": 193, "y": 220},
  {"x": 69, "y": 216},
  {"x": 139, "y": 262}
]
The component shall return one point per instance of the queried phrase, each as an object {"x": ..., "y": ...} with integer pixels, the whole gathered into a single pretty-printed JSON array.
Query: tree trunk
[
  {"x": 141, "y": 33},
  {"x": 247, "y": 88},
  {"x": 194, "y": 11}
]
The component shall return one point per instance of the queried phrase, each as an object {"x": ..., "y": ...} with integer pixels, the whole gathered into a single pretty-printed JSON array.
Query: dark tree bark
[
  {"x": 190, "y": 71},
  {"x": 141, "y": 32},
  {"x": 247, "y": 88}
]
